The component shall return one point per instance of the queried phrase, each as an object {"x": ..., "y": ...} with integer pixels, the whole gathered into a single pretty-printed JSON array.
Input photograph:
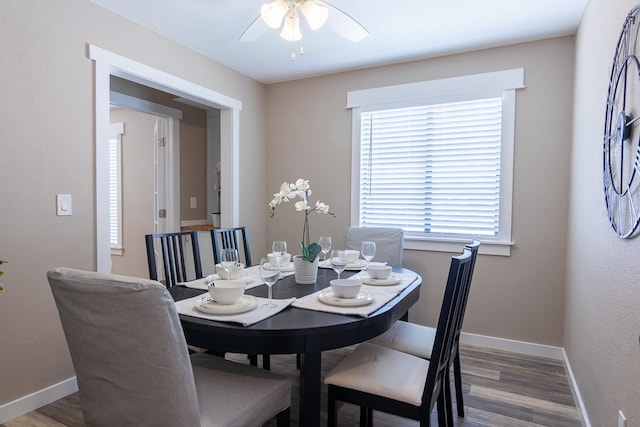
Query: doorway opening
[{"x": 108, "y": 64}]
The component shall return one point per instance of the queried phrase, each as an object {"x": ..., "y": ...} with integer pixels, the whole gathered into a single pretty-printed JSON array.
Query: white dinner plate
[
  {"x": 363, "y": 298},
  {"x": 209, "y": 306},
  {"x": 285, "y": 268}
]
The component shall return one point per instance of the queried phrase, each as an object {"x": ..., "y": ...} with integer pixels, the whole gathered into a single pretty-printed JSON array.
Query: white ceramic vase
[
  {"x": 215, "y": 219},
  {"x": 305, "y": 272}
]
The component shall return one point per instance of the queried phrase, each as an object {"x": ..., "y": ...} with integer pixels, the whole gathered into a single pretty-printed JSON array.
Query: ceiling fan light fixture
[
  {"x": 315, "y": 13},
  {"x": 291, "y": 28},
  {"x": 272, "y": 13}
]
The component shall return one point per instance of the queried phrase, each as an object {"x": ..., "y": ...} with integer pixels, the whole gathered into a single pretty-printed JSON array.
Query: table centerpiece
[{"x": 305, "y": 265}]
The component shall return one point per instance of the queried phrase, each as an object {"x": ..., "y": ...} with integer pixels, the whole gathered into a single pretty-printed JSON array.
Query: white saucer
[
  {"x": 244, "y": 276},
  {"x": 209, "y": 306},
  {"x": 363, "y": 298},
  {"x": 391, "y": 280},
  {"x": 358, "y": 264},
  {"x": 283, "y": 268}
]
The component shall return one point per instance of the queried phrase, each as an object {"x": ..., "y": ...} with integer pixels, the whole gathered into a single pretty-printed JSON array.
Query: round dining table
[{"x": 296, "y": 330}]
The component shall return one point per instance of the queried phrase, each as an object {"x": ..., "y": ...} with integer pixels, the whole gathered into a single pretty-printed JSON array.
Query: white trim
[
  {"x": 488, "y": 82},
  {"x": 514, "y": 346},
  {"x": 575, "y": 391},
  {"x": 108, "y": 64},
  {"x": 499, "y": 83},
  {"x": 38, "y": 399}
]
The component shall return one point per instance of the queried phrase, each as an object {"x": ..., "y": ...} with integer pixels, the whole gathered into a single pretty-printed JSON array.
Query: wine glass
[
  {"x": 279, "y": 248},
  {"x": 270, "y": 277},
  {"x": 368, "y": 250},
  {"x": 228, "y": 259},
  {"x": 325, "y": 244},
  {"x": 338, "y": 261}
]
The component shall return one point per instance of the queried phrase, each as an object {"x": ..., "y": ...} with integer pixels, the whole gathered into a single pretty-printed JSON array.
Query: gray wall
[
  {"x": 47, "y": 146},
  {"x": 520, "y": 297},
  {"x": 603, "y": 286}
]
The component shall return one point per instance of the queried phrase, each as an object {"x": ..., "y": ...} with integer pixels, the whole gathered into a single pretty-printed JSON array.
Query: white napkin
[
  {"x": 250, "y": 273},
  {"x": 381, "y": 294},
  {"x": 187, "y": 306}
]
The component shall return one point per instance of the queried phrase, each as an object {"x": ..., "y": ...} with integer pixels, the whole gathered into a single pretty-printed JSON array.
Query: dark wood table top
[{"x": 296, "y": 330}]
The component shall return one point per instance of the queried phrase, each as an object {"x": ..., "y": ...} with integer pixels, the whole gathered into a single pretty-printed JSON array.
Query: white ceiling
[{"x": 400, "y": 31}]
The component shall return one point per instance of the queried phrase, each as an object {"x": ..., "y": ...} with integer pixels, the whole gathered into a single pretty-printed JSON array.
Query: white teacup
[
  {"x": 352, "y": 255},
  {"x": 378, "y": 271},
  {"x": 226, "y": 291},
  {"x": 345, "y": 288},
  {"x": 235, "y": 271},
  {"x": 284, "y": 259}
]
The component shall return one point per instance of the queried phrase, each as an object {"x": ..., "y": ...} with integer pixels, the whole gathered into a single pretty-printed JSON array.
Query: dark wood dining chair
[
  {"x": 233, "y": 237},
  {"x": 418, "y": 340},
  {"x": 133, "y": 368},
  {"x": 379, "y": 378},
  {"x": 172, "y": 250}
]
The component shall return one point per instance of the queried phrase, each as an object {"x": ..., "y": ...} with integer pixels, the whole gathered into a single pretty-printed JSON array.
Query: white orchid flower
[
  {"x": 302, "y": 184},
  {"x": 322, "y": 208},
  {"x": 302, "y": 206}
]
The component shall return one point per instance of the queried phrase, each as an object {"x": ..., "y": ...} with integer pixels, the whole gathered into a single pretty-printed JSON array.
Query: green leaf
[{"x": 310, "y": 253}]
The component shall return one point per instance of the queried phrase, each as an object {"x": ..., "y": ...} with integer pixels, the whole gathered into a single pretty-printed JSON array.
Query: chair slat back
[
  {"x": 170, "y": 248},
  {"x": 233, "y": 237},
  {"x": 445, "y": 331}
]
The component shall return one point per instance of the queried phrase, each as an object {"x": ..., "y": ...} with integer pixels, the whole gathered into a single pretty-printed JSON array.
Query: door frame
[{"x": 107, "y": 64}]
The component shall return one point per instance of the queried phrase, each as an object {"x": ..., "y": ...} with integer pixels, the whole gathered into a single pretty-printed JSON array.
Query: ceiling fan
[{"x": 286, "y": 14}]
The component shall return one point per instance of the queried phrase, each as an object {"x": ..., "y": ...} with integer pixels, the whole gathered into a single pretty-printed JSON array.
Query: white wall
[{"x": 603, "y": 285}]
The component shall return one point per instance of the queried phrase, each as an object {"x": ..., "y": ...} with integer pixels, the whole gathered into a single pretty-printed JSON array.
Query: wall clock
[{"x": 621, "y": 158}]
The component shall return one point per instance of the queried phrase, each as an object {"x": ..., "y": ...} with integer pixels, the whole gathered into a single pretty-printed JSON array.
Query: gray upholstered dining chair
[
  {"x": 389, "y": 242},
  {"x": 133, "y": 367},
  {"x": 418, "y": 340},
  {"x": 375, "y": 377}
]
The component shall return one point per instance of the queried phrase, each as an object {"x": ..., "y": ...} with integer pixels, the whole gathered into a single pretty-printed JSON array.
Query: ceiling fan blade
[
  {"x": 256, "y": 29},
  {"x": 344, "y": 25}
]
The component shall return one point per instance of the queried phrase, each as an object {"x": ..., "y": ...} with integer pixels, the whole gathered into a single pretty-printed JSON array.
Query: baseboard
[
  {"x": 521, "y": 347},
  {"x": 577, "y": 397},
  {"x": 531, "y": 349},
  {"x": 36, "y": 400}
]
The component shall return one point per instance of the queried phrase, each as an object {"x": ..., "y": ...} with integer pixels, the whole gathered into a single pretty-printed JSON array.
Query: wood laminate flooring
[{"x": 500, "y": 389}]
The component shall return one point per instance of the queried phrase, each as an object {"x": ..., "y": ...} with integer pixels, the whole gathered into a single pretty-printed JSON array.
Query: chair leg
[
  {"x": 457, "y": 375},
  {"x": 253, "y": 359},
  {"x": 283, "y": 419},
  {"x": 442, "y": 410},
  {"x": 446, "y": 394},
  {"x": 266, "y": 362},
  {"x": 366, "y": 417},
  {"x": 332, "y": 410}
]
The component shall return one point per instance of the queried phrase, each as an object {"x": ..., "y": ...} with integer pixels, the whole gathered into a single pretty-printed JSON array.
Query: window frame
[{"x": 500, "y": 83}]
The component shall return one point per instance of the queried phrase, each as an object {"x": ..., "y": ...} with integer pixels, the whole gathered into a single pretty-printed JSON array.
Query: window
[
  {"x": 115, "y": 188},
  {"x": 435, "y": 158}
]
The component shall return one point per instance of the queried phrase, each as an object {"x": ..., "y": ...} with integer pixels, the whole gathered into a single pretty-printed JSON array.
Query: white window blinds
[
  {"x": 433, "y": 169},
  {"x": 115, "y": 187}
]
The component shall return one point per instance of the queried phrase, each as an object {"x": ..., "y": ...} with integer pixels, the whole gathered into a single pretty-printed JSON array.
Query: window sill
[
  {"x": 117, "y": 251},
  {"x": 487, "y": 247}
]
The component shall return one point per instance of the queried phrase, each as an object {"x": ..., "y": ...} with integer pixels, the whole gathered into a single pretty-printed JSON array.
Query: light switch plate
[{"x": 63, "y": 204}]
